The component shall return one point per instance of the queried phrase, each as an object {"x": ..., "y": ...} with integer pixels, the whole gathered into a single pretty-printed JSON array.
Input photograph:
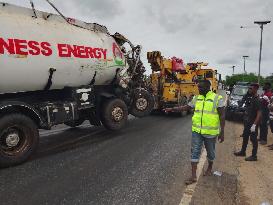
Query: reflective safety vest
[{"x": 205, "y": 119}]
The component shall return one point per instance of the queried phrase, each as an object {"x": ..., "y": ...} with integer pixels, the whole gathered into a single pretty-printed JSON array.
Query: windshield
[{"x": 240, "y": 91}]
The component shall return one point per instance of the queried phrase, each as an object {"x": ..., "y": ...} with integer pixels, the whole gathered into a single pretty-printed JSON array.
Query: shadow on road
[
  {"x": 54, "y": 141},
  {"x": 72, "y": 138}
]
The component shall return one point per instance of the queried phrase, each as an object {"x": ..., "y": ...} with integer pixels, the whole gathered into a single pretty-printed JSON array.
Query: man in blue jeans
[{"x": 208, "y": 123}]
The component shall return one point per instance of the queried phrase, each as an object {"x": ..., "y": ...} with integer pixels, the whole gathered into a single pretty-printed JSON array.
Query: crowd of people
[{"x": 258, "y": 115}]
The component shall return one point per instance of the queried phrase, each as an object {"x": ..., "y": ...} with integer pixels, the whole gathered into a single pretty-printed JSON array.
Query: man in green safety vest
[{"x": 208, "y": 123}]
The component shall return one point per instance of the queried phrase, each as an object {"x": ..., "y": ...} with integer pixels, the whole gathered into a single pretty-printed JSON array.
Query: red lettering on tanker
[
  {"x": 66, "y": 50},
  {"x": 24, "y": 47},
  {"x": 34, "y": 48}
]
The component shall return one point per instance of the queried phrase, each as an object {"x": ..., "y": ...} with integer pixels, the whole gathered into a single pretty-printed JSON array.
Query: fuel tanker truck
[{"x": 56, "y": 70}]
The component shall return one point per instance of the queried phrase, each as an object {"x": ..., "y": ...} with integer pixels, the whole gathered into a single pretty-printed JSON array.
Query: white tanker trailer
[{"x": 57, "y": 70}]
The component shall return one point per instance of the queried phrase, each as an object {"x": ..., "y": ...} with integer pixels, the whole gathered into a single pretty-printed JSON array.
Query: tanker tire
[
  {"x": 75, "y": 123},
  {"x": 147, "y": 110},
  {"x": 27, "y": 140},
  {"x": 114, "y": 108}
]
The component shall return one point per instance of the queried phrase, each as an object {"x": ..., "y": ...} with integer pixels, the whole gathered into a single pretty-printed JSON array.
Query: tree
[
  {"x": 269, "y": 79},
  {"x": 250, "y": 77}
]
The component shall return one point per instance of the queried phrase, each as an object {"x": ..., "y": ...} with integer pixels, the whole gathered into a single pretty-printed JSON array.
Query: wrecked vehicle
[{"x": 58, "y": 70}]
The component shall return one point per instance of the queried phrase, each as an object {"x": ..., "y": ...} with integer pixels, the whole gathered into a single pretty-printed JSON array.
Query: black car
[{"x": 235, "y": 106}]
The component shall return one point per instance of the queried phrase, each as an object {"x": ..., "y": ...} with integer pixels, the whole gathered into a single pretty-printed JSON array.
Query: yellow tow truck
[{"x": 173, "y": 83}]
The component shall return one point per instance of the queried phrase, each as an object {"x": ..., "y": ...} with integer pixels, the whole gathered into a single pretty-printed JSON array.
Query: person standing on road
[
  {"x": 271, "y": 120},
  {"x": 246, "y": 99},
  {"x": 208, "y": 123},
  {"x": 265, "y": 100},
  {"x": 253, "y": 115},
  {"x": 230, "y": 89},
  {"x": 245, "y": 102}
]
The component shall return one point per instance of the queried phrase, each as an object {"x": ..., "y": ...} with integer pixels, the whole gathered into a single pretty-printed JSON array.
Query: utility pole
[
  {"x": 244, "y": 57},
  {"x": 261, "y": 24},
  {"x": 233, "y": 69}
]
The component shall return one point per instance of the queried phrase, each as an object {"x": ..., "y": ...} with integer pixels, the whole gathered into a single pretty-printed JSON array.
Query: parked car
[{"x": 235, "y": 107}]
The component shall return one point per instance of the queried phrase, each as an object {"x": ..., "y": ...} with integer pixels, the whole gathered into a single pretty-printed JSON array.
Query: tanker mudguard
[{"x": 12, "y": 106}]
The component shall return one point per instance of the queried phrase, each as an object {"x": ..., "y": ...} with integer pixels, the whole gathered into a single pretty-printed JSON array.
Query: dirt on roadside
[
  {"x": 222, "y": 189},
  {"x": 242, "y": 182},
  {"x": 255, "y": 178}
]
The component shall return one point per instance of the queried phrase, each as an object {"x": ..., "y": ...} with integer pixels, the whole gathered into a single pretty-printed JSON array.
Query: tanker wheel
[
  {"x": 74, "y": 123},
  {"x": 19, "y": 139},
  {"x": 143, "y": 104},
  {"x": 114, "y": 114}
]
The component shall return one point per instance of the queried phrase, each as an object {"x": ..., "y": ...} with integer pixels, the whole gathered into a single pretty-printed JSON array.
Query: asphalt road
[{"x": 145, "y": 163}]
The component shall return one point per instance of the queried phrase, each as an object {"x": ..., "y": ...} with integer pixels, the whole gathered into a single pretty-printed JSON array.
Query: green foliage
[
  {"x": 249, "y": 77},
  {"x": 269, "y": 79}
]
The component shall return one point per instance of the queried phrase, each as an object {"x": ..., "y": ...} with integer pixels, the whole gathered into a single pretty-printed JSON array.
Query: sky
[{"x": 196, "y": 31}]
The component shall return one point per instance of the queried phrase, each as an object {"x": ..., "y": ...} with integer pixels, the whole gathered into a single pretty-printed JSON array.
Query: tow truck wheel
[
  {"x": 114, "y": 114},
  {"x": 183, "y": 113},
  {"x": 143, "y": 104},
  {"x": 19, "y": 138}
]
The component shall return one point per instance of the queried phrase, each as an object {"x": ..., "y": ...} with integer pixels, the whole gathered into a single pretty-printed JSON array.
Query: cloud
[
  {"x": 248, "y": 44},
  {"x": 199, "y": 30},
  {"x": 228, "y": 61},
  {"x": 100, "y": 9},
  {"x": 97, "y": 8}
]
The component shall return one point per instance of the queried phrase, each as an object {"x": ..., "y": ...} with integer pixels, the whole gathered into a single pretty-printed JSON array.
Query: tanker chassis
[{"x": 58, "y": 70}]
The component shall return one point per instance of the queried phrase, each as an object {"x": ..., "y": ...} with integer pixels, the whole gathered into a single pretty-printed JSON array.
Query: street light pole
[
  {"x": 261, "y": 24},
  {"x": 245, "y": 63},
  {"x": 233, "y": 69}
]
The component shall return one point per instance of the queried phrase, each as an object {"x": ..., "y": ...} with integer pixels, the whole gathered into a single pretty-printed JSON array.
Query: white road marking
[{"x": 188, "y": 193}]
